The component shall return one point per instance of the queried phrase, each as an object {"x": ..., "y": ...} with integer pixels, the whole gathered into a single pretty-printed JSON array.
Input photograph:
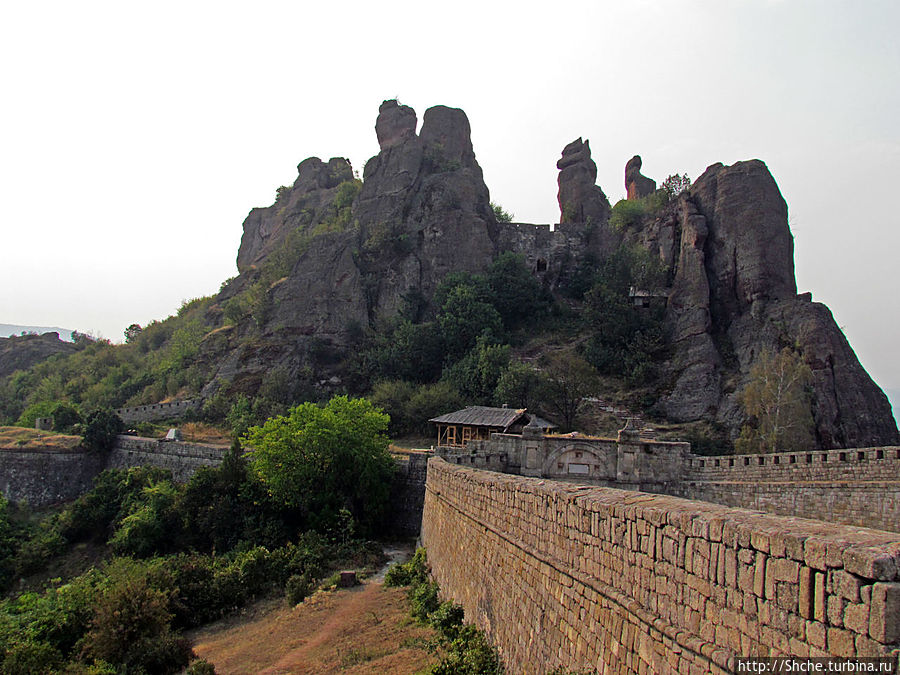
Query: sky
[{"x": 136, "y": 137}]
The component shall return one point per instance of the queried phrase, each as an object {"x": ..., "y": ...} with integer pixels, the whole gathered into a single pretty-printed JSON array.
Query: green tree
[
  {"x": 569, "y": 381},
  {"x": 65, "y": 416},
  {"x": 132, "y": 332},
  {"x": 777, "y": 402},
  {"x": 520, "y": 386},
  {"x": 475, "y": 375},
  {"x": 501, "y": 214},
  {"x": 675, "y": 184},
  {"x": 30, "y": 415},
  {"x": 101, "y": 429},
  {"x": 464, "y": 317},
  {"x": 515, "y": 293},
  {"x": 322, "y": 459},
  {"x": 625, "y": 339}
]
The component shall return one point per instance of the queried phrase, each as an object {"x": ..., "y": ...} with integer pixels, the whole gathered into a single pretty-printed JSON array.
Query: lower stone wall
[
  {"x": 183, "y": 459},
  {"x": 42, "y": 477},
  {"x": 623, "y": 582},
  {"x": 408, "y": 494},
  {"x": 45, "y": 477}
]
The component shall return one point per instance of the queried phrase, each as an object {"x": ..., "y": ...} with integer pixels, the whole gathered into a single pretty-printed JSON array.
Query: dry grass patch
[
  {"x": 198, "y": 432},
  {"x": 364, "y": 630},
  {"x": 20, "y": 438}
]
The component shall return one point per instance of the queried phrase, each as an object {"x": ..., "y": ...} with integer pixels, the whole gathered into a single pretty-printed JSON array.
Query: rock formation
[
  {"x": 423, "y": 211},
  {"x": 637, "y": 185},
  {"x": 305, "y": 204},
  {"x": 734, "y": 295},
  {"x": 395, "y": 124},
  {"x": 580, "y": 199}
]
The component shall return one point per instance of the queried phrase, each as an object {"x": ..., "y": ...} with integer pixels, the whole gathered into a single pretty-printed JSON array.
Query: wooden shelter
[{"x": 477, "y": 422}]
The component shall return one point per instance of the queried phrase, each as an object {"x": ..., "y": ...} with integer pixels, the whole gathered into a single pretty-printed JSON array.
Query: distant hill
[
  {"x": 21, "y": 352},
  {"x": 9, "y": 329}
]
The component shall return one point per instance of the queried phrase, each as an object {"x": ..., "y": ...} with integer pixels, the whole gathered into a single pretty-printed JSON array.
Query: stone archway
[{"x": 580, "y": 459}]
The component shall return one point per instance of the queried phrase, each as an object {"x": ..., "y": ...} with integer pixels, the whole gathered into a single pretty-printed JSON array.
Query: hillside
[
  {"x": 21, "y": 352},
  {"x": 411, "y": 282}
]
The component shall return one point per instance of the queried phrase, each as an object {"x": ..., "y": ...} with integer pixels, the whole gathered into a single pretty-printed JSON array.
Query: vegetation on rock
[{"x": 777, "y": 404}]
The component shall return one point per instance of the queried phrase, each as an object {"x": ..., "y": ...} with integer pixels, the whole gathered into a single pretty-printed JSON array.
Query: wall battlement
[
  {"x": 156, "y": 411},
  {"x": 859, "y": 486},
  {"x": 625, "y": 582}
]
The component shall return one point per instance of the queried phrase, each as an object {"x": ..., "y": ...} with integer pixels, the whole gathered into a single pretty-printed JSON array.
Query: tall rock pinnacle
[{"x": 581, "y": 200}]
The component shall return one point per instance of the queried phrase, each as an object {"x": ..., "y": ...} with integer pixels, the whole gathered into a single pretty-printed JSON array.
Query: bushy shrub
[
  {"x": 466, "y": 649},
  {"x": 411, "y": 573},
  {"x": 31, "y": 658},
  {"x": 297, "y": 588},
  {"x": 200, "y": 667},
  {"x": 101, "y": 429},
  {"x": 469, "y": 653},
  {"x": 152, "y": 524},
  {"x": 131, "y": 626}
]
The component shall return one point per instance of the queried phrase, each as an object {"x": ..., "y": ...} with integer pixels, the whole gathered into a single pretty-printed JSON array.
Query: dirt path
[{"x": 365, "y": 629}]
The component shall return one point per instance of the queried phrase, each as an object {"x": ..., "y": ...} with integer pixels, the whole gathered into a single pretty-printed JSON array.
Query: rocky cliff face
[
  {"x": 423, "y": 211},
  {"x": 734, "y": 296}
]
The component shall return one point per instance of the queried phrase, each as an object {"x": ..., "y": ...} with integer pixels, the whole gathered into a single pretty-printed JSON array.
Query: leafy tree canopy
[
  {"x": 320, "y": 460},
  {"x": 777, "y": 402}
]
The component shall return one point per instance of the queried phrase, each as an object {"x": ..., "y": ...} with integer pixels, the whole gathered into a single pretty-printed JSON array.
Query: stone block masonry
[
  {"x": 408, "y": 494},
  {"x": 156, "y": 411},
  {"x": 182, "y": 459},
  {"x": 42, "y": 477},
  {"x": 858, "y": 486},
  {"x": 48, "y": 476},
  {"x": 607, "y": 580}
]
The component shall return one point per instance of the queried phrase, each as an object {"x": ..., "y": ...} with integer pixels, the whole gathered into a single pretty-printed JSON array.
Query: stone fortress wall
[
  {"x": 47, "y": 476},
  {"x": 181, "y": 458},
  {"x": 585, "y": 577},
  {"x": 852, "y": 487},
  {"x": 855, "y": 487},
  {"x": 43, "y": 477},
  {"x": 156, "y": 411}
]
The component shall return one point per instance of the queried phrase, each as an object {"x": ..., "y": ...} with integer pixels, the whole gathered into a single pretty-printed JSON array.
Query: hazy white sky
[{"x": 135, "y": 137}]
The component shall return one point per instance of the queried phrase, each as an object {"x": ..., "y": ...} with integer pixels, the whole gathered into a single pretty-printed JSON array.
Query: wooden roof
[{"x": 482, "y": 416}]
